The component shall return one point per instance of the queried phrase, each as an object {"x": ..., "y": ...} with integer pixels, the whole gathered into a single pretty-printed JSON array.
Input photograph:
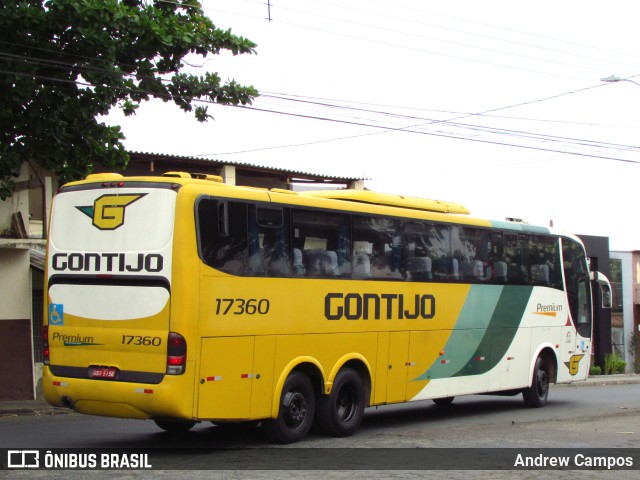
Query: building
[
  {"x": 22, "y": 223},
  {"x": 598, "y": 254},
  {"x": 625, "y": 313},
  {"x": 233, "y": 173}
]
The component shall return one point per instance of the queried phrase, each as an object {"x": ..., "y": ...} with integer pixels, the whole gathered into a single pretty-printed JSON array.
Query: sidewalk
[
  {"x": 12, "y": 408},
  {"x": 594, "y": 381}
]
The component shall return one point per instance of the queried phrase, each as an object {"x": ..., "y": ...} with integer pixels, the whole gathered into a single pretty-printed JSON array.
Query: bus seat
[
  {"x": 420, "y": 268},
  {"x": 481, "y": 271},
  {"x": 321, "y": 262},
  {"x": 500, "y": 272},
  {"x": 279, "y": 266},
  {"x": 333, "y": 262},
  {"x": 298, "y": 265},
  {"x": 455, "y": 270},
  {"x": 256, "y": 262},
  {"x": 467, "y": 269},
  {"x": 361, "y": 265},
  {"x": 540, "y": 274},
  {"x": 478, "y": 269}
]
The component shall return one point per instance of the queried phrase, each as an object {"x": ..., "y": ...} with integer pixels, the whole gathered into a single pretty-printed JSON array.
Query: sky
[{"x": 498, "y": 105}]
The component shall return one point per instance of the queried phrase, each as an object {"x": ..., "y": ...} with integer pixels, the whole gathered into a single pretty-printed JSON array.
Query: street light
[{"x": 614, "y": 79}]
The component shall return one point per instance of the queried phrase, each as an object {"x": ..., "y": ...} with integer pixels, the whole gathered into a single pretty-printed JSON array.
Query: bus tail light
[
  {"x": 45, "y": 344},
  {"x": 176, "y": 354}
]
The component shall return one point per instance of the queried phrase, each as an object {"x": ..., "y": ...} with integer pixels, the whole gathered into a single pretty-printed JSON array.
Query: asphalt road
[{"x": 580, "y": 418}]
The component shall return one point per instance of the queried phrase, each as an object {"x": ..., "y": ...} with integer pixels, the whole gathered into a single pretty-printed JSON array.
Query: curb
[
  {"x": 31, "y": 407},
  {"x": 605, "y": 380}
]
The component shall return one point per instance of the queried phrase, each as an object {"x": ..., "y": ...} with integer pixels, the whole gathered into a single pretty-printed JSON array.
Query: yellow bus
[{"x": 182, "y": 299}]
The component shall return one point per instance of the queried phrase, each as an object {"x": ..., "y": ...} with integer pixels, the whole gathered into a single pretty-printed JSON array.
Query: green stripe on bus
[
  {"x": 468, "y": 332},
  {"x": 502, "y": 329}
]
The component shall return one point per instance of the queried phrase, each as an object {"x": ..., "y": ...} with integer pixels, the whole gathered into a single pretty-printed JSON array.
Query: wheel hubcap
[
  {"x": 346, "y": 404},
  {"x": 295, "y": 409},
  {"x": 542, "y": 383}
]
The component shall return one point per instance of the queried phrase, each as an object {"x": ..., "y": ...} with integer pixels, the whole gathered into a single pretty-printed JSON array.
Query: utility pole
[{"x": 269, "y": 10}]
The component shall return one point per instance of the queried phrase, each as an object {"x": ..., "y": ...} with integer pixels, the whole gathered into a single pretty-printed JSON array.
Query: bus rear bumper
[{"x": 118, "y": 399}]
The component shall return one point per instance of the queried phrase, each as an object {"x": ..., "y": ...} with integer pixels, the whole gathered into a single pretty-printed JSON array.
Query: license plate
[{"x": 106, "y": 373}]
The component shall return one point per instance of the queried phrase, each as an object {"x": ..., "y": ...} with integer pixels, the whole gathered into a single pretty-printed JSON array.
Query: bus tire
[
  {"x": 536, "y": 395},
  {"x": 174, "y": 425},
  {"x": 341, "y": 412},
  {"x": 295, "y": 412},
  {"x": 443, "y": 401}
]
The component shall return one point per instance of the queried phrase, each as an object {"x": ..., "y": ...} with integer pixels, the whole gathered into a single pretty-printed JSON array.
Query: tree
[{"x": 63, "y": 63}]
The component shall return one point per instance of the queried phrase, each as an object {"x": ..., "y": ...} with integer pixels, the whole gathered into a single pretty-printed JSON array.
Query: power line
[
  {"x": 431, "y": 52},
  {"x": 386, "y": 129},
  {"x": 478, "y": 114},
  {"x": 436, "y": 134},
  {"x": 311, "y": 99},
  {"x": 513, "y": 30},
  {"x": 425, "y": 51},
  {"x": 411, "y": 128},
  {"x": 387, "y": 16},
  {"x": 287, "y": 97}
]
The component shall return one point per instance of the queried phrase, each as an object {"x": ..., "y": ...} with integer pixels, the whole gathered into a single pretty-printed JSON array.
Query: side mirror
[{"x": 605, "y": 289}]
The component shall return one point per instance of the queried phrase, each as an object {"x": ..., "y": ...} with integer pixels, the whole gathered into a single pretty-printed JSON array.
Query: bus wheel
[
  {"x": 443, "y": 401},
  {"x": 340, "y": 413},
  {"x": 296, "y": 411},
  {"x": 174, "y": 425},
  {"x": 536, "y": 395}
]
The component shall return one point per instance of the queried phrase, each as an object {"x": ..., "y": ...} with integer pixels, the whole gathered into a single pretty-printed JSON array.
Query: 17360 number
[
  {"x": 141, "y": 341},
  {"x": 242, "y": 306}
]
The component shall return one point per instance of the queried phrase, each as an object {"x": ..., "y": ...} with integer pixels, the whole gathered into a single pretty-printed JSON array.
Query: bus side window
[
  {"x": 471, "y": 248},
  {"x": 427, "y": 252},
  {"x": 273, "y": 255},
  {"x": 376, "y": 248},
  {"x": 223, "y": 219},
  {"x": 515, "y": 255},
  {"x": 545, "y": 261},
  {"x": 577, "y": 285},
  {"x": 222, "y": 242},
  {"x": 418, "y": 265},
  {"x": 498, "y": 259},
  {"x": 322, "y": 241}
]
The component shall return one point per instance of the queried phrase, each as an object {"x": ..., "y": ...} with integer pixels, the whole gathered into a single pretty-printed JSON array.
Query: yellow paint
[{"x": 238, "y": 360}]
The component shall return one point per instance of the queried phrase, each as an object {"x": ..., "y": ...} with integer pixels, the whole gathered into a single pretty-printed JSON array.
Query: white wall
[
  {"x": 628, "y": 285},
  {"x": 15, "y": 284},
  {"x": 19, "y": 202}
]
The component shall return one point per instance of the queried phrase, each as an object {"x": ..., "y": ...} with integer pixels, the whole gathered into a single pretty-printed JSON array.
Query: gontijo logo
[
  {"x": 107, "y": 211},
  {"x": 574, "y": 364}
]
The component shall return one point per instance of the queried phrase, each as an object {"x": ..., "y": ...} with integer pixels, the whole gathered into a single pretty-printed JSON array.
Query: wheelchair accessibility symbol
[{"x": 56, "y": 314}]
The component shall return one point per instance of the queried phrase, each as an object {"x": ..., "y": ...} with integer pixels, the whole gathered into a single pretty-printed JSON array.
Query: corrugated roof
[
  {"x": 37, "y": 257},
  {"x": 250, "y": 166}
]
